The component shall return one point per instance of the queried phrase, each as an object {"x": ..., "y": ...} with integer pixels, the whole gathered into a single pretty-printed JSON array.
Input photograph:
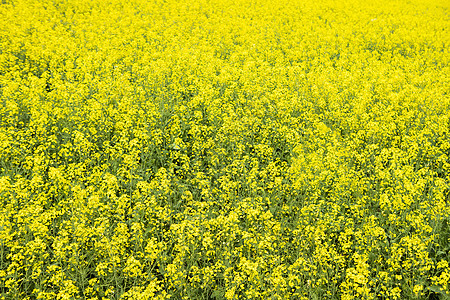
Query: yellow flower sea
[{"x": 218, "y": 149}]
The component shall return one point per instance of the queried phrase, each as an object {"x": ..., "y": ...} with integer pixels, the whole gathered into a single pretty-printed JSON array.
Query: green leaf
[{"x": 438, "y": 290}]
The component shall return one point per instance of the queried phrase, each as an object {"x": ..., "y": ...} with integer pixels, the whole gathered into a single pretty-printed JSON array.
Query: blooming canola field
[{"x": 218, "y": 149}]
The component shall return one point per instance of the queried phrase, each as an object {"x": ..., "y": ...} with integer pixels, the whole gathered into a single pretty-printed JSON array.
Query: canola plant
[{"x": 218, "y": 149}]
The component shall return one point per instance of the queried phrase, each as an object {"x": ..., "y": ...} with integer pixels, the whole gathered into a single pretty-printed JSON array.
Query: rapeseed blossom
[{"x": 224, "y": 149}]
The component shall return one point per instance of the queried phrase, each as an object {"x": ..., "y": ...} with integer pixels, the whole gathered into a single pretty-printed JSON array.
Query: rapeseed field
[{"x": 218, "y": 149}]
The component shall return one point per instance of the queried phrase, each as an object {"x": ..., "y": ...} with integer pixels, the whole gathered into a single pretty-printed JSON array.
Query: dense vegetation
[{"x": 224, "y": 149}]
